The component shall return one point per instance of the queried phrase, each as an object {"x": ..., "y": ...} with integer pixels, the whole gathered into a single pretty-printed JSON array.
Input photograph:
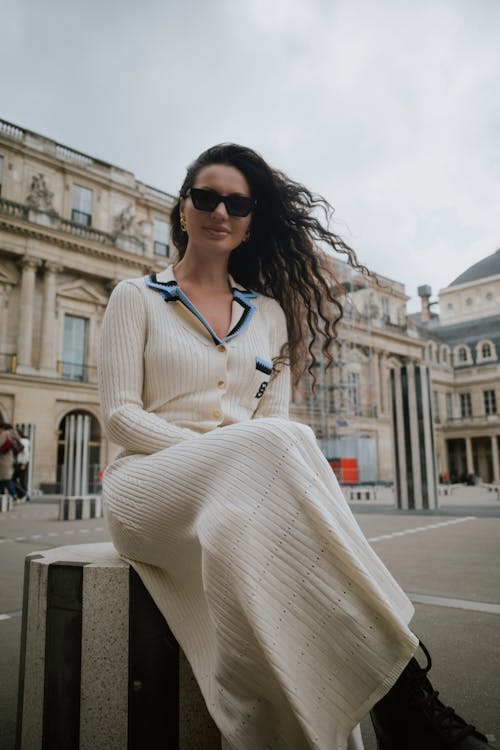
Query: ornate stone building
[
  {"x": 72, "y": 226},
  {"x": 351, "y": 410},
  {"x": 462, "y": 347}
]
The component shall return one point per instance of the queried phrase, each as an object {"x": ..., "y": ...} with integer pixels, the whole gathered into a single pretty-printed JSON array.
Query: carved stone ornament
[
  {"x": 39, "y": 196},
  {"x": 125, "y": 221}
]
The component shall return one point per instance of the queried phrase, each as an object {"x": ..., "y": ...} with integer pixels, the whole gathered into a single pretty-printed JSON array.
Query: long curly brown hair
[{"x": 283, "y": 258}]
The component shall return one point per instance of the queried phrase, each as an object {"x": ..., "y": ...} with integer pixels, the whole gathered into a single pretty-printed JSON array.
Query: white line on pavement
[
  {"x": 442, "y": 601},
  {"x": 417, "y": 529}
]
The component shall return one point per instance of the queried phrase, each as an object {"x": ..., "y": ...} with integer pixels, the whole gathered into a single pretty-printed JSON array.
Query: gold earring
[
  {"x": 246, "y": 236},
  {"x": 183, "y": 223}
]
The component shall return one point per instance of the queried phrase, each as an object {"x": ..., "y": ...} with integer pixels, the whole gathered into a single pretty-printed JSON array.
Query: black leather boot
[{"x": 411, "y": 717}]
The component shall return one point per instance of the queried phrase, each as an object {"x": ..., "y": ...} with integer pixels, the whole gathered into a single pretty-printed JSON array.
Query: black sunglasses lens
[
  {"x": 204, "y": 200},
  {"x": 238, "y": 205},
  {"x": 208, "y": 200}
]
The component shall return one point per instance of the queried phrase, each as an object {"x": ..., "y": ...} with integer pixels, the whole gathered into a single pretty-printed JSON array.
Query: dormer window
[
  {"x": 486, "y": 351},
  {"x": 462, "y": 355}
]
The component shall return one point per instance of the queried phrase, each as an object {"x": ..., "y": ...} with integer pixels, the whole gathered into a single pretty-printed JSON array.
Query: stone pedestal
[
  {"x": 5, "y": 503},
  {"x": 99, "y": 668}
]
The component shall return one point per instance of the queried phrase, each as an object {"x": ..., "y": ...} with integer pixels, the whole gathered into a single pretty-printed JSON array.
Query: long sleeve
[
  {"x": 276, "y": 400},
  {"x": 121, "y": 376}
]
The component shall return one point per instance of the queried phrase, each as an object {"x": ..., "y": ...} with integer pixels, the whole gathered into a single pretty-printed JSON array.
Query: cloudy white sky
[{"x": 389, "y": 108}]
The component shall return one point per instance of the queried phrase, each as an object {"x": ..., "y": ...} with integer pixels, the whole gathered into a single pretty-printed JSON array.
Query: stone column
[
  {"x": 468, "y": 454},
  {"x": 5, "y": 290},
  {"x": 375, "y": 374},
  {"x": 48, "y": 364},
  {"x": 26, "y": 311},
  {"x": 496, "y": 462}
]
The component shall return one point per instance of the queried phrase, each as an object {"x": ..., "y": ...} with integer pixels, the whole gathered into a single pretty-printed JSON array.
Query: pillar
[
  {"x": 413, "y": 437},
  {"x": 496, "y": 462},
  {"x": 48, "y": 364},
  {"x": 376, "y": 382},
  {"x": 469, "y": 456},
  {"x": 76, "y": 454},
  {"x": 26, "y": 313}
]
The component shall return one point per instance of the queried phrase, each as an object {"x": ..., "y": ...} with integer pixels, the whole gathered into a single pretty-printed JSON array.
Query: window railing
[
  {"x": 77, "y": 372},
  {"x": 476, "y": 419},
  {"x": 79, "y": 217},
  {"x": 8, "y": 362}
]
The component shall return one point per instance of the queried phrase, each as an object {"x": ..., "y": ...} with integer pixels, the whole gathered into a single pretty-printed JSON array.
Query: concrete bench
[
  {"x": 5, "y": 503},
  {"x": 99, "y": 668},
  {"x": 84, "y": 507}
]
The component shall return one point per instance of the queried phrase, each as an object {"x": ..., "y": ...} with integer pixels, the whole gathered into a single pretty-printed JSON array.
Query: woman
[{"x": 228, "y": 511}]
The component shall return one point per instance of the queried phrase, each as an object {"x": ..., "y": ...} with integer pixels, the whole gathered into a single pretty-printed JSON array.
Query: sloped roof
[{"x": 489, "y": 266}]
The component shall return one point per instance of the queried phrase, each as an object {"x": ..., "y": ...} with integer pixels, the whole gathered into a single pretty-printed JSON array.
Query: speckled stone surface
[
  {"x": 104, "y": 667},
  {"x": 32, "y": 706},
  {"x": 104, "y": 677}
]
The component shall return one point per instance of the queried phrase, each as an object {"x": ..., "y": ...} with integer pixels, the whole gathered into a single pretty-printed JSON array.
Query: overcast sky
[{"x": 389, "y": 108}]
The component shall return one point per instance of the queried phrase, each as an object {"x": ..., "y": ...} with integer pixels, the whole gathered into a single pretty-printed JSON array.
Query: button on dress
[{"x": 237, "y": 526}]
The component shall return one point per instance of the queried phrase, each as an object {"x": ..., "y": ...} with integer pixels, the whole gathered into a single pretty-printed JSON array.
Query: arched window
[
  {"x": 462, "y": 354},
  {"x": 486, "y": 351},
  {"x": 444, "y": 355}
]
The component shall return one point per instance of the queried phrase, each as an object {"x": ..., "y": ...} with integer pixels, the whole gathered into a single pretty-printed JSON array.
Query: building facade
[
  {"x": 462, "y": 348},
  {"x": 72, "y": 226}
]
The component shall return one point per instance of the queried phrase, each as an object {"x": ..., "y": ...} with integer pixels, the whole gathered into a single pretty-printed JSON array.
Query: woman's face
[{"x": 216, "y": 230}]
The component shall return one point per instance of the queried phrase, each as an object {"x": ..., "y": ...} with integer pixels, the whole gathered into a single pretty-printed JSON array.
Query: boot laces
[{"x": 444, "y": 717}]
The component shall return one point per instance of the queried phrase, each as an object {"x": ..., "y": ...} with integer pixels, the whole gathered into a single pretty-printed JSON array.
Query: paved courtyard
[{"x": 447, "y": 562}]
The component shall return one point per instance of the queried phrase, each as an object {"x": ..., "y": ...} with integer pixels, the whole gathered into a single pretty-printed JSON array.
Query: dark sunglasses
[{"x": 205, "y": 199}]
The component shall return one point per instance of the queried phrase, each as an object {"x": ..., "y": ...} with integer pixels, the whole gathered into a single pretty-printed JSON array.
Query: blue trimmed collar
[{"x": 171, "y": 292}]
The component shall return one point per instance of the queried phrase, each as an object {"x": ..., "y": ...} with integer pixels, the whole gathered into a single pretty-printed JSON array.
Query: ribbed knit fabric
[{"x": 236, "y": 524}]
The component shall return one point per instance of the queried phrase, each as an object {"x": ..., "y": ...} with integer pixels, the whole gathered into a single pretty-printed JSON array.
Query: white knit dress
[{"x": 236, "y": 524}]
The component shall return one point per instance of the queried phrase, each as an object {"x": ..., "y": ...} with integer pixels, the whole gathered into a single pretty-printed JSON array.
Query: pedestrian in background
[
  {"x": 21, "y": 465},
  {"x": 7, "y": 442}
]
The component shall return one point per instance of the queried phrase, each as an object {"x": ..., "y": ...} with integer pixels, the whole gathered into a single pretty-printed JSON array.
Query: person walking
[
  {"x": 226, "y": 508},
  {"x": 7, "y": 439},
  {"x": 21, "y": 464}
]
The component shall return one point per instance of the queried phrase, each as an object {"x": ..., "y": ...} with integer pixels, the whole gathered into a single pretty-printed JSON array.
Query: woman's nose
[{"x": 220, "y": 211}]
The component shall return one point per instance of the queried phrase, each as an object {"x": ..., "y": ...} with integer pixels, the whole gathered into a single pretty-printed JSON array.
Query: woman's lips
[{"x": 217, "y": 231}]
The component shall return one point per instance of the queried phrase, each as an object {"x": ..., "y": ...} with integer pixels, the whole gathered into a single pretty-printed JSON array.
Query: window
[
  {"x": 385, "y": 309},
  {"x": 449, "y": 406},
  {"x": 468, "y": 301},
  {"x": 490, "y": 402},
  {"x": 444, "y": 355},
  {"x": 82, "y": 206},
  {"x": 161, "y": 237},
  {"x": 74, "y": 347},
  {"x": 435, "y": 405},
  {"x": 353, "y": 391},
  {"x": 465, "y": 405},
  {"x": 486, "y": 351},
  {"x": 489, "y": 296},
  {"x": 1, "y": 173},
  {"x": 462, "y": 354}
]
